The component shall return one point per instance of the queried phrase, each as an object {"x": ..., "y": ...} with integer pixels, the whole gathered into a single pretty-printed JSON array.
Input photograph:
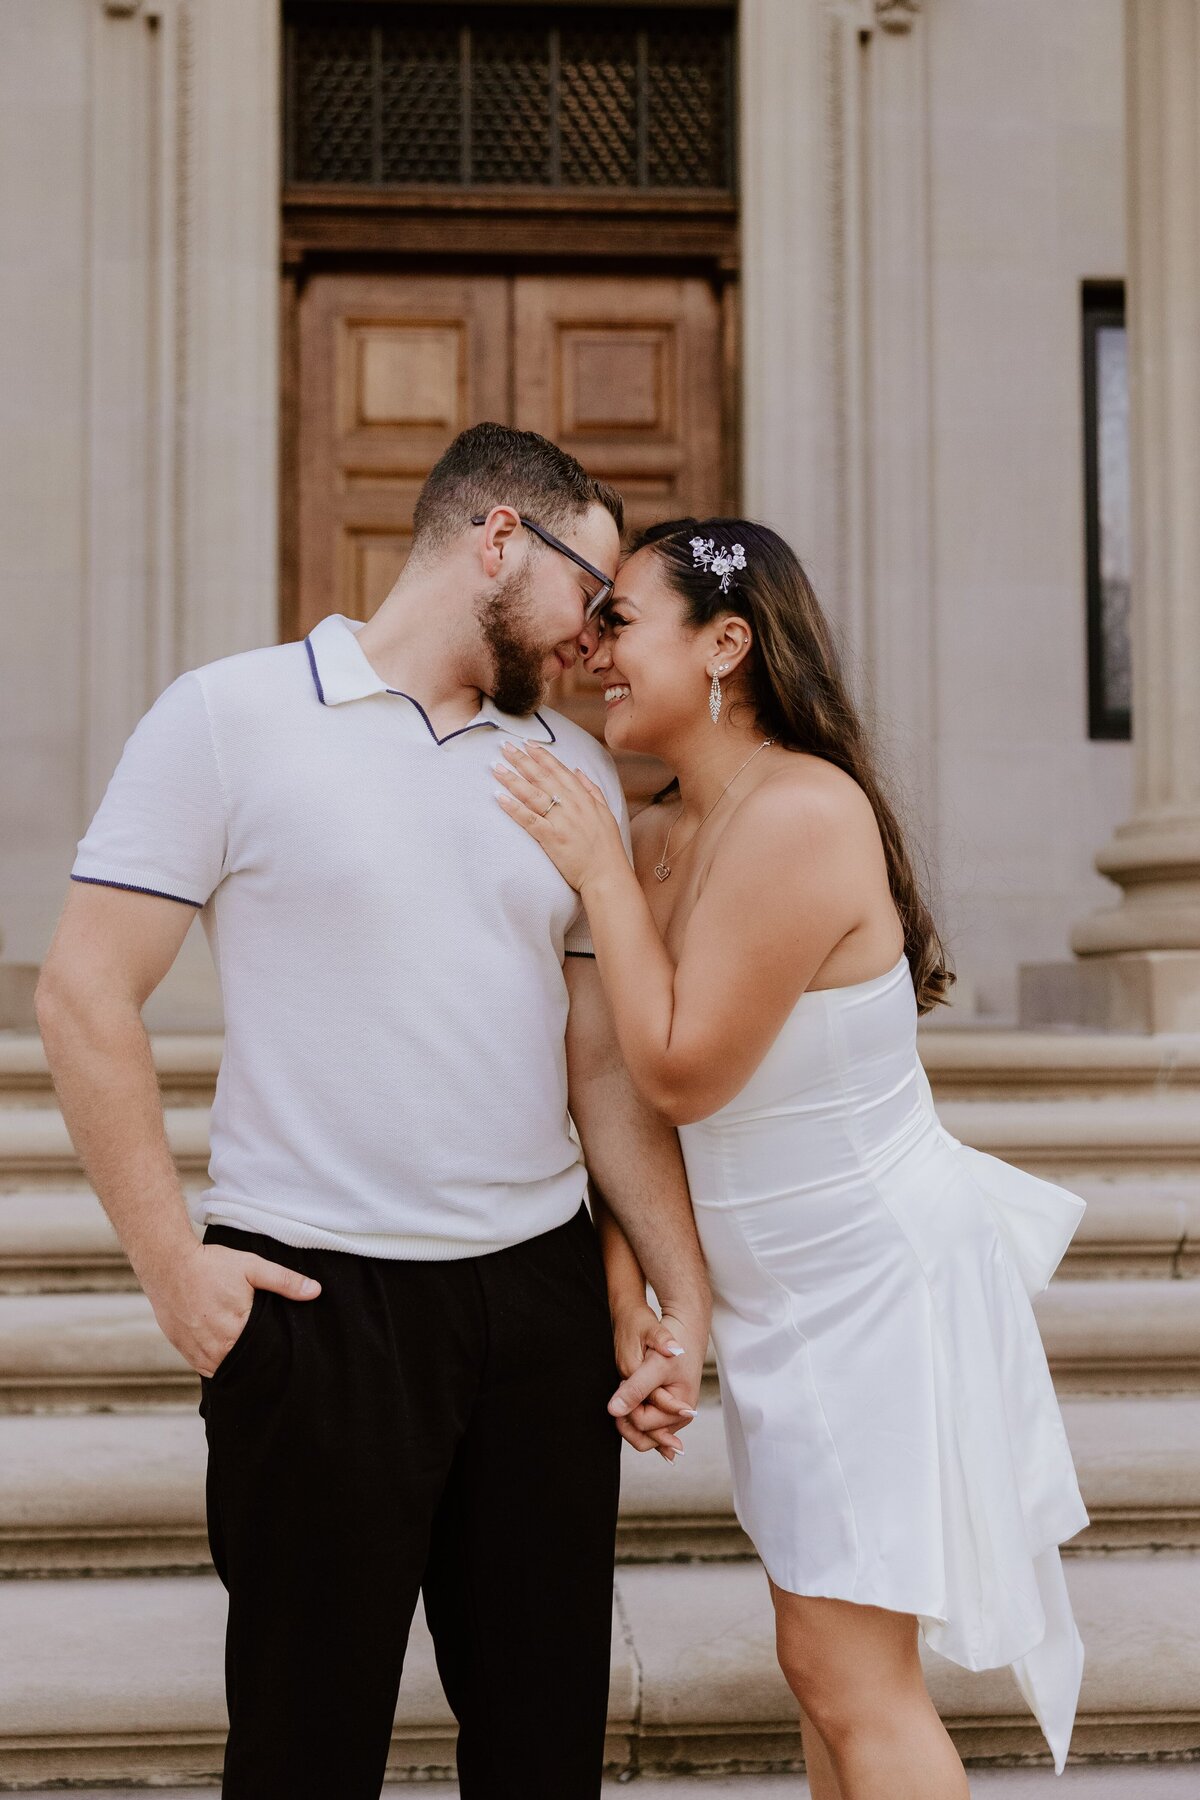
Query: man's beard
[{"x": 519, "y": 665}]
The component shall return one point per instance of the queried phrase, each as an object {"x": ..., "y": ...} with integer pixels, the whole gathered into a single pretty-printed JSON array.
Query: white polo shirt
[{"x": 389, "y": 944}]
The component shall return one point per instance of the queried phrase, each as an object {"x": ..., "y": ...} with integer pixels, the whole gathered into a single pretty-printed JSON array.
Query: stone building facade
[{"x": 923, "y": 189}]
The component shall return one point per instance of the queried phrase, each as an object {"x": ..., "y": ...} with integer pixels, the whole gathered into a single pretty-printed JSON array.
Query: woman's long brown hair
[{"x": 799, "y": 694}]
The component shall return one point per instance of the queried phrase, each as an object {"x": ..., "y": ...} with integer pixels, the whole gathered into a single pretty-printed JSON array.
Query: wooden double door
[{"x": 625, "y": 372}]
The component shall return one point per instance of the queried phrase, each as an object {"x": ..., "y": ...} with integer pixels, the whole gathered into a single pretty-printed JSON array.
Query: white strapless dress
[{"x": 893, "y": 1431}]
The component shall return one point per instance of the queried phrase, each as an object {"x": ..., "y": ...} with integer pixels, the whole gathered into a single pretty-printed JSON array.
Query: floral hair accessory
[{"x": 705, "y": 555}]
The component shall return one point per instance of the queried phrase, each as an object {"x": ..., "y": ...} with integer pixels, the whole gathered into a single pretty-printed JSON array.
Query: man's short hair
[{"x": 492, "y": 465}]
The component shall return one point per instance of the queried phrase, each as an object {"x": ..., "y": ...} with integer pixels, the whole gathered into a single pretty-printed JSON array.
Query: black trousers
[{"x": 436, "y": 1427}]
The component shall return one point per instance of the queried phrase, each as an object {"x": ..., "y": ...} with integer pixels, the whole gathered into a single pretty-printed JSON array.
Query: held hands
[
  {"x": 658, "y": 1397},
  {"x": 561, "y": 810},
  {"x": 202, "y": 1304}
]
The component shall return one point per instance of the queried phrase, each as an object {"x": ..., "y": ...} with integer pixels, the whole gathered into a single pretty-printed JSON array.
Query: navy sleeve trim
[
  {"x": 129, "y": 887},
  {"x": 590, "y": 953}
]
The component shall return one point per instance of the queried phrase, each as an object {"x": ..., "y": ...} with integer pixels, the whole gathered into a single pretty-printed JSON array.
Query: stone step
[
  {"x": 1151, "y": 1133},
  {"x": 87, "y": 1350},
  {"x": 78, "y": 1349},
  {"x": 1078, "y": 1781},
  {"x": 34, "y": 1141},
  {"x": 55, "y": 1237},
  {"x": 962, "y": 1063},
  {"x": 1137, "y": 1458},
  {"x": 1065, "y": 1105},
  {"x": 1134, "y": 1226},
  {"x": 107, "y": 1492},
  {"x": 107, "y": 1681},
  {"x": 1067, "y": 1139},
  {"x": 975, "y": 1063},
  {"x": 54, "y": 1240},
  {"x": 187, "y": 1064},
  {"x": 1121, "y": 1336}
]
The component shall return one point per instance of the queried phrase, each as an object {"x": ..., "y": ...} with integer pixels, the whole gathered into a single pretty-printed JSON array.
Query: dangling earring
[{"x": 714, "y": 693}]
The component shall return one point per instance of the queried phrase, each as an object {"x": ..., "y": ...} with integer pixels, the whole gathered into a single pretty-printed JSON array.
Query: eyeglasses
[{"x": 595, "y": 601}]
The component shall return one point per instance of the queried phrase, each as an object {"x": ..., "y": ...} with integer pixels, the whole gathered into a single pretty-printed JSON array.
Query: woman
[{"x": 897, "y": 1452}]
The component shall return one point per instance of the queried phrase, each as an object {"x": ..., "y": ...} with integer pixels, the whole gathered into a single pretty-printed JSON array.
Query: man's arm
[
  {"x": 111, "y": 950},
  {"x": 636, "y": 1166}
]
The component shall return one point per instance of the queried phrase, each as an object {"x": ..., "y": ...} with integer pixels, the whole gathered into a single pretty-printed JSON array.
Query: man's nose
[{"x": 589, "y": 641}]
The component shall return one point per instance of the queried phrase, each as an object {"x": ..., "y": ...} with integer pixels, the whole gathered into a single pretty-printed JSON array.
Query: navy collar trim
[
  {"x": 312, "y": 663},
  {"x": 475, "y": 725},
  {"x": 348, "y": 676}
]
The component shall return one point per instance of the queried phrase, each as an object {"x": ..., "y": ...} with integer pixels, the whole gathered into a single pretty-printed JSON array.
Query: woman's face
[{"x": 652, "y": 666}]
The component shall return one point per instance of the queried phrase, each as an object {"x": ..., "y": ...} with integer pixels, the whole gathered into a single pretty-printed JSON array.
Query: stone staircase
[{"x": 111, "y": 1619}]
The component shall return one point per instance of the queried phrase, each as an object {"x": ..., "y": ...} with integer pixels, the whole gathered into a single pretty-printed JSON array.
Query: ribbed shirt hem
[{"x": 393, "y": 1245}]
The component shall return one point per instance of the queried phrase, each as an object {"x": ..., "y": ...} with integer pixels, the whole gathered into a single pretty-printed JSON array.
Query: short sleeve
[
  {"x": 578, "y": 941},
  {"x": 161, "y": 826}
]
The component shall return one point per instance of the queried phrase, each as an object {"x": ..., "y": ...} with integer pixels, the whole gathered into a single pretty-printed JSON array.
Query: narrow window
[{"x": 1106, "y": 492}]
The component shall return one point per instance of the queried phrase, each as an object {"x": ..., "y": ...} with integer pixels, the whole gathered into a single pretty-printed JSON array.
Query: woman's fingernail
[
  {"x": 674, "y": 1349},
  {"x": 619, "y": 1407},
  {"x": 689, "y": 1412},
  {"x": 307, "y": 1288}
]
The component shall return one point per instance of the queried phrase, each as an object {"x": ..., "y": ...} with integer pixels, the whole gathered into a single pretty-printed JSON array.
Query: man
[{"x": 398, "y": 1309}]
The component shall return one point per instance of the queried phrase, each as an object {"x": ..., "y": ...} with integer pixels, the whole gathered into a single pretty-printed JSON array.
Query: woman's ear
[{"x": 734, "y": 638}]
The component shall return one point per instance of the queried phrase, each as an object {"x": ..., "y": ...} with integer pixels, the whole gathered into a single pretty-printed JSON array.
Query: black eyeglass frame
[{"x": 598, "y": 601}]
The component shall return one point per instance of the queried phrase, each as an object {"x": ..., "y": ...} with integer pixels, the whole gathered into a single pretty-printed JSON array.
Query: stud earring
[{"x": 714, "y": 693}]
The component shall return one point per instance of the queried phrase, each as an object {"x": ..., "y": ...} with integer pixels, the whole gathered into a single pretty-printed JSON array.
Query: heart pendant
[{"x": 662, "y": 870}]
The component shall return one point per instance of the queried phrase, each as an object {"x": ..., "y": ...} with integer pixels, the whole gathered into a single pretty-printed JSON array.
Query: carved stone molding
[{"x": 897, "y": 15}]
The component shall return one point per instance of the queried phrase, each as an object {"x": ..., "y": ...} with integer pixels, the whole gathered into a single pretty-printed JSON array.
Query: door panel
[
  {"x": 625, "y": 374},
  {"x": 391, "y": 369}
]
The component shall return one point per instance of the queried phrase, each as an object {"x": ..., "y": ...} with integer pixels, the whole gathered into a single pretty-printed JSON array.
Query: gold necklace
[{"x": 662, "y": 867}]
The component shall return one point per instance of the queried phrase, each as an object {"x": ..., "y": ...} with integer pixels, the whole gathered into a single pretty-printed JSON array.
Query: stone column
[
  {"x": 184, "y": 379},
  {"x": 793, "y": 440},
  {"x": 230, "y": 250},
  {"x": 836, "y": 353},
  {"x": 1146, "y": 950}
]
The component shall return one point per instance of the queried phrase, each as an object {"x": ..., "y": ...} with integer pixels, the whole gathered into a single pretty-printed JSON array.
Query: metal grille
[
  {"x": 687, "y": 106},
  {"x": 509, "y": 73},
  {"x": 420, "y": 104},
  {"x": 334, "y": 110},
  {"x": 486, "y": 96},
  {"x": 598, "y": 107}
]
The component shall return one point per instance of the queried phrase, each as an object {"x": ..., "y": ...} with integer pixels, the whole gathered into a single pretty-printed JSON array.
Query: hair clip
[{"x": 717, "y": 562}]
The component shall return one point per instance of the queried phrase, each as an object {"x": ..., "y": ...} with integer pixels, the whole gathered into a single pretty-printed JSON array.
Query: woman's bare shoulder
[
  {"x": 807, "y": 801},
  {"x": 801, "y": 786}
]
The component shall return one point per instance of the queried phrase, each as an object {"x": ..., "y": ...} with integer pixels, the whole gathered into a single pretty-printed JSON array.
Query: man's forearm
[
  {"x": 103, "y": 1070},
  {"x": 623, "y": 1272},
  {"x": 634, "y": 1160}
]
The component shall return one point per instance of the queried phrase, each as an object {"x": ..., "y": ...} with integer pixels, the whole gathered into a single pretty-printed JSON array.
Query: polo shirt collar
[{"x": 341, "y": 672}]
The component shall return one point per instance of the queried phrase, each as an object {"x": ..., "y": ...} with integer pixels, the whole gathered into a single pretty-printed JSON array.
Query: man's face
[{"x": 532, "y": 618}]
